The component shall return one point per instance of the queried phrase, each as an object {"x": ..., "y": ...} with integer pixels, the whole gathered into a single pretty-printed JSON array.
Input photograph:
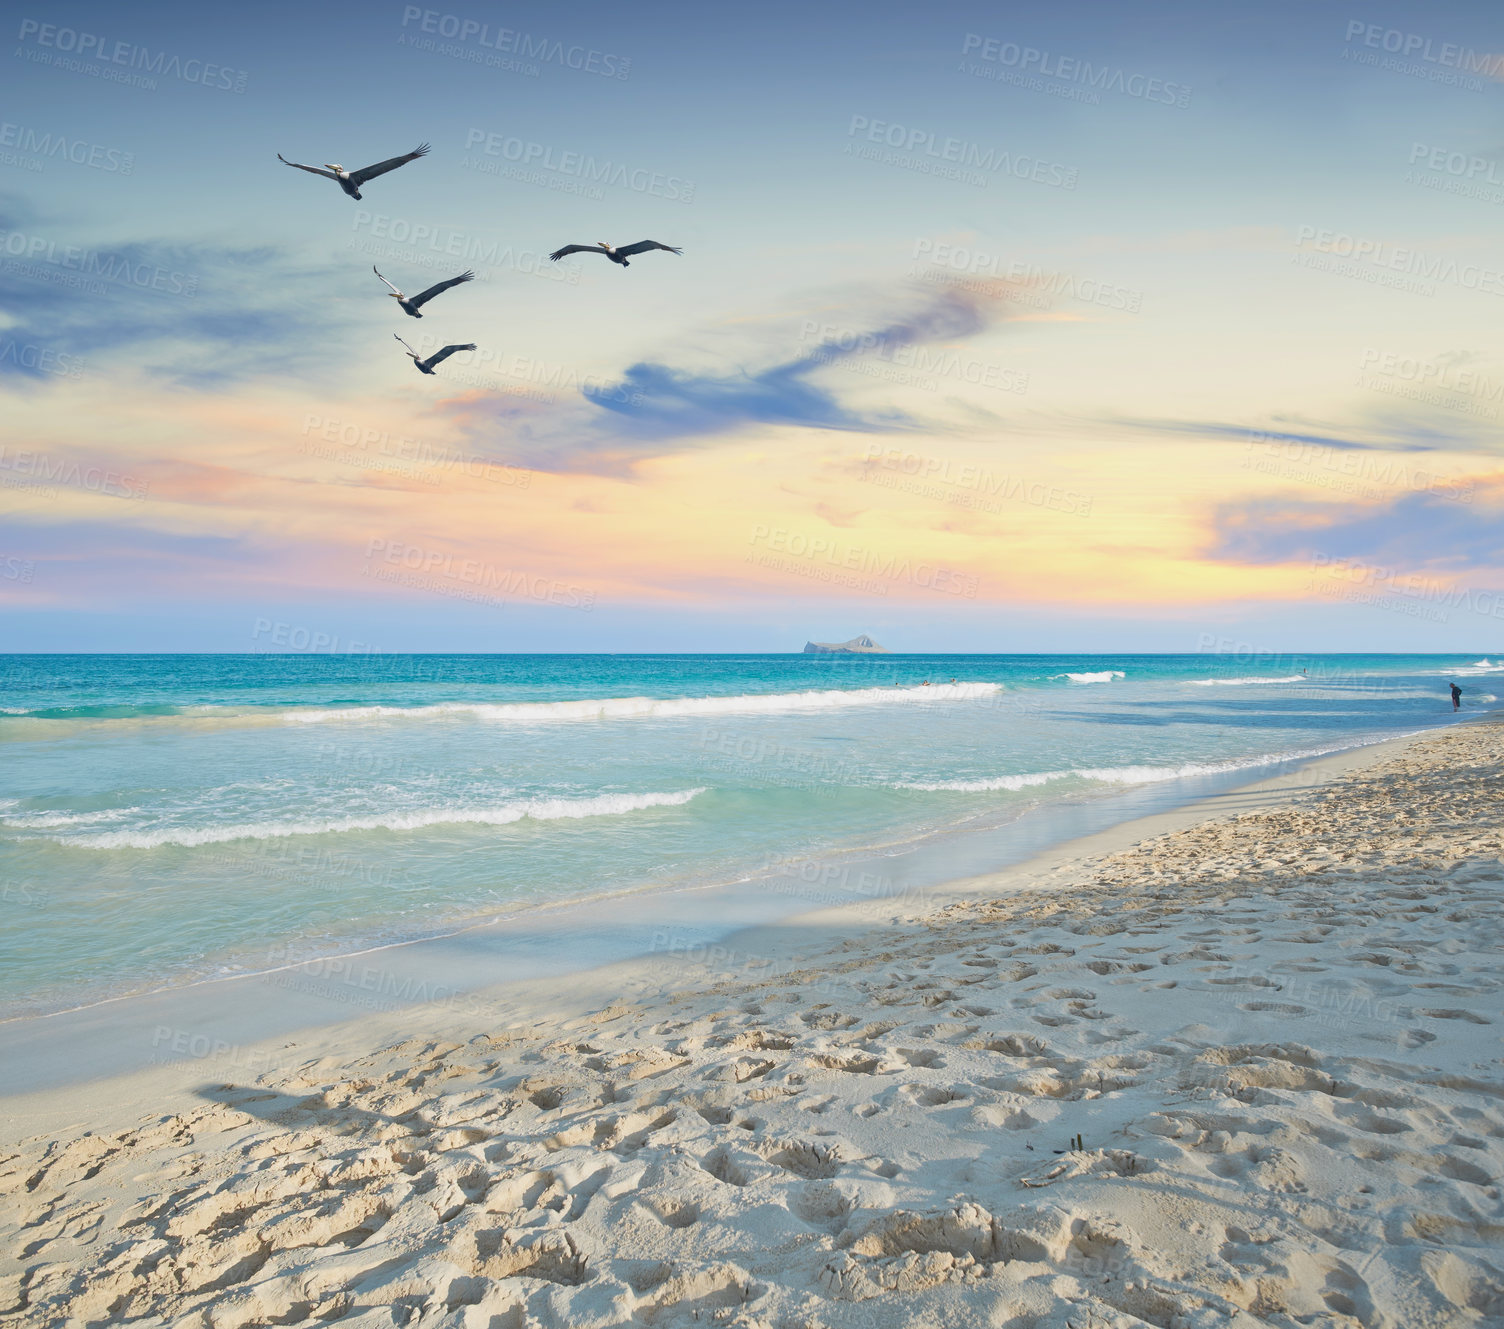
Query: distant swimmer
[{"x": 1456, "y": 697}]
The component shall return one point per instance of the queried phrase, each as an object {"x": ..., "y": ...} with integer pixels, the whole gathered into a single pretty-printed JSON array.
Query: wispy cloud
[
  {"x": 128, "y": 559},
  {"x": 1395, "y": 431},
  {"x": 1414, "y": 531},
  {"x": 660, "y": 402},
  {"x": 656, "y": 408},
  {"x": 200, "y": 316}
]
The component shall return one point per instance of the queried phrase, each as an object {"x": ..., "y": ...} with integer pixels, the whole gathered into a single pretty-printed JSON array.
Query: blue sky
[{"x": 1094, "y": 361}]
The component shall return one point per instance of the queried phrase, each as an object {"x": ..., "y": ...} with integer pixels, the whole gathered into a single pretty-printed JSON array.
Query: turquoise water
[{"x": 166, "y": 818}]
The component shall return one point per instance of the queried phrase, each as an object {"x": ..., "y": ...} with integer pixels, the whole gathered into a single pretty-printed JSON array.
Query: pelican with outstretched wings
[
  {"x": 409, "y": 304},
  {"x": 615, "y": 255},
  {"x": 351, "y": 181},
  {"x": 426, "y": 366}
]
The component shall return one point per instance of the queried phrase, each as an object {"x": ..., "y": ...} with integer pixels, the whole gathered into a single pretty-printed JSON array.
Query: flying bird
[
  {"x": 615, "y": 255},
  {"x": 409, "y": 304},
  {"x": 351, "y": 181},
  {"x": 426, "y": 366}
]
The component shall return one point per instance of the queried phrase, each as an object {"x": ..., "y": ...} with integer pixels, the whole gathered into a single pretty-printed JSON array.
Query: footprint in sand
[
  {"x": 814, "y": 1162},
  {"x": 673, "y": 1212}
]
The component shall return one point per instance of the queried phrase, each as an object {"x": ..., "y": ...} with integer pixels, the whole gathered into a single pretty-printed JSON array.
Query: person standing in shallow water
[{"x": 1456, "y": 697}]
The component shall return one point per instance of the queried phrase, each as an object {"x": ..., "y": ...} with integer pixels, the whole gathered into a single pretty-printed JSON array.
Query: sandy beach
[{"x": 1244, "y": 1071}]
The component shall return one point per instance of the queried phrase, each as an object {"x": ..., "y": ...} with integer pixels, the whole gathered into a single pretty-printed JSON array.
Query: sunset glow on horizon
[{"x": 993, "y": 330}]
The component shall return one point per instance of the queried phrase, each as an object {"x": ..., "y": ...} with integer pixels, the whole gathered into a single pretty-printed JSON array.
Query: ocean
[{"x": 166, "y": 819}]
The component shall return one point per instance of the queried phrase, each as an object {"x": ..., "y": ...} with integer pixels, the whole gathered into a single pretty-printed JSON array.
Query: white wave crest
[
  {"x": 1244, "y": 682},
  {"x": 41, "y": 821},
  {"x": 1009, "y": 782},
  {"x": 1122, "y": 774},
  {"x": 657, "y": 708},
  {"x": 1103, "y": 676},
  {"x": 535, "y": 809}
]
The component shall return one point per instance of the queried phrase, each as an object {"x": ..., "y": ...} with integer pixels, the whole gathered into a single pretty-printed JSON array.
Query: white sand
[{"x": 1275, "y": 1035}]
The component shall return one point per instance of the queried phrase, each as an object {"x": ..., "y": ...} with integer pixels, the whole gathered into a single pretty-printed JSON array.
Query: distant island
[{"x": 863, "y": 645}]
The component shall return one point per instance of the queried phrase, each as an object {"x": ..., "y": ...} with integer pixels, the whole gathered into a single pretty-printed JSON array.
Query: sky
[{"x": 1088, "y": 327}]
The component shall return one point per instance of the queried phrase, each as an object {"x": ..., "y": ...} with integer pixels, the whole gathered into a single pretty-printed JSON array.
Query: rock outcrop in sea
[{"x": 863, "y": 645}]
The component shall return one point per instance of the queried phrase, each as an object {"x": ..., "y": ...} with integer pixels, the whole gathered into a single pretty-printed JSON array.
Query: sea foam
[
  {"x": 657, "y": 708},
  {"x": 1244, "y": 682},
  {"x": 1130, "y": 775},
  {"x": 501, "y": 814}
]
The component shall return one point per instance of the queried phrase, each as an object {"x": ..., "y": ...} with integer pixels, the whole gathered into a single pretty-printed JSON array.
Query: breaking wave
[
  {"x": 659, "y": 708},
  {"x": 501, "y": 814},
  {"x": 1120, "y": 774},
  {"x": 30, "y": 723},
  {"x": 1244, "y": 682}
]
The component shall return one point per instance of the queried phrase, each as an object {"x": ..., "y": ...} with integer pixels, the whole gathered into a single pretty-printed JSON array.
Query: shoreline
[
  {"x": 318, "y": 995},
  {"x": 274, "y": 900},
  {"x": 1048, "y": 823},
  {"x": 1233, "y": 1064}
]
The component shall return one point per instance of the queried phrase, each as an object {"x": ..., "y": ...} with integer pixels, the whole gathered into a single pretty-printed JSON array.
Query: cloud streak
[
  {"x": 1395, "y": 432},
  {"x": 659, "y": 402},
  {"x": 195, "y": 316},
  {"x": 1422, "y": 530},
  {"x": 655, "y": 408}
]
